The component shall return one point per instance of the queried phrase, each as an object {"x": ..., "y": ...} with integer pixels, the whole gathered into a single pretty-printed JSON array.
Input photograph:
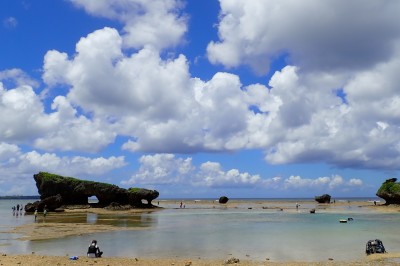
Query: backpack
[{"x": 92, "y": 248}]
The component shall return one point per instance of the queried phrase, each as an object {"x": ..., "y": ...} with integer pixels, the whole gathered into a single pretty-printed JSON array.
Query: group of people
[
  {"x": 17, "y": 209},
  {"x": 44, "y": 212}
]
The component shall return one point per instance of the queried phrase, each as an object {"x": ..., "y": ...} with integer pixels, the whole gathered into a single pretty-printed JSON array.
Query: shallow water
[{"x": 220, "y": 233}]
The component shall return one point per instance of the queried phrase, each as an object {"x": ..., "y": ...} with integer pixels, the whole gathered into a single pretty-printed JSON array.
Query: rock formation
[
  {"x": 223, "y": 199},
  {"x": 390, "y": 191},
  {"x": 323, "y": 199},
  {"x": 56, "y": 191}
]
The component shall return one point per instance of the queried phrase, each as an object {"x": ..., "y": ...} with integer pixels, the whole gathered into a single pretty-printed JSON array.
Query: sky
[{"x": 200, "y": 99}]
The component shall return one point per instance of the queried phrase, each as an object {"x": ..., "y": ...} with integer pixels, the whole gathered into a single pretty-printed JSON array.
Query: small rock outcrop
[
  {"x": 223, "y": 199},
  {"x": 56, "y": 191},
  {"x": 323, "y": 198},
  {"x": 390, "y": 191}
]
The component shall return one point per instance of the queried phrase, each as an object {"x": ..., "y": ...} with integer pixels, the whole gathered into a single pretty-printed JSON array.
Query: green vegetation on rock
[
  {"x": 390, "y": 191},
  {"x": 56, "y": 190}
]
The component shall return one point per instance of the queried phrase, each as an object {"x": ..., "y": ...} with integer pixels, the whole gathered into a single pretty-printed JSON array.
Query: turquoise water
[{"x": 221, "y": 233}]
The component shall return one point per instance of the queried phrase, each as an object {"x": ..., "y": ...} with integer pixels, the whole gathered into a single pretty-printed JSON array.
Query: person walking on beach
[
  {"x": 45, "y": 211},
  {"x": 35, "y": 213},
  {"x": 94, "y": 250}
]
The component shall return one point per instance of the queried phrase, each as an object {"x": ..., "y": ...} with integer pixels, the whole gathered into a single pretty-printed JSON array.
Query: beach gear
[
  {"x": 374, "y": 246},
  {"x": 92, "y": 249}
]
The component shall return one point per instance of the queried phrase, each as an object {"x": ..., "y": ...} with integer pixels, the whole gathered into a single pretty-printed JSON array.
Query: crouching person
[{"x": 94, "y": 250}]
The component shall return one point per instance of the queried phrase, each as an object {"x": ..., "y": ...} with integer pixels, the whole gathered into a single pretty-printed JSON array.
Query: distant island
[{"x": 20, "y": 197}]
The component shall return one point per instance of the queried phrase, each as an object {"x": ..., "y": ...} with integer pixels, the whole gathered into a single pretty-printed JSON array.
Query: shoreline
[{"x": 39, "y": 260}]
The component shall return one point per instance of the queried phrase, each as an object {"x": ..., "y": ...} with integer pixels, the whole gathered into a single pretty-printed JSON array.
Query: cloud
[
  {"x": 316, "y": 125},
  {"x": 17, "y": 77},
  {"x": 158, "y": 23},
  {"x": 157, "y": 104},
  {"x": 23, "y": 120},
  {"x": 167, "y": 169},
  {"x": 76, "y": 165},
  {"x": 332, "y": 35},
  {"x": 299, "y": 117},
  {"x": 161, "y": 169},
  {"x": 212, "y": 175},
  {"x": 333, "y": 183},
  {"x": 16, "y": 164},
  {"x": 10, "y": 23}
]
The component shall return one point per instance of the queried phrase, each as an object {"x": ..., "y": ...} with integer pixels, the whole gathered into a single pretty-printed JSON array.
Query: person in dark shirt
[{"x": 94, "y": 250}]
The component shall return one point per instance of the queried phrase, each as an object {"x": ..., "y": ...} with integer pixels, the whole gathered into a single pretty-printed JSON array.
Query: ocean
[{"x": 255, "y": 229}]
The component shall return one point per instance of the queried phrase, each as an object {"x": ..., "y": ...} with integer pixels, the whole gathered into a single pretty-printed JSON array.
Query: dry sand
[{"x": 44, "y": 230}]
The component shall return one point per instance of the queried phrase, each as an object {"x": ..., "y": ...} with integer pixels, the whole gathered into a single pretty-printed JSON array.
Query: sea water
[{"x": 195, "y": 232}]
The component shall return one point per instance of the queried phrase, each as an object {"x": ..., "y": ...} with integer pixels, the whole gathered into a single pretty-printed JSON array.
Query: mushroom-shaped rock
[
  {"x": 56, "y": 190},
  {"x": 390, "y": 191},
  {"x": 223, "y": 199},
  {"x": 136, "y": 195},
  {"x": 323, "y": 198}
]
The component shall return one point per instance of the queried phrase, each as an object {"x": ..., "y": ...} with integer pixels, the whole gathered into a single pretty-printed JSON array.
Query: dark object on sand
[
  {"x": 374, "y": 246},
  {"x": 223, "y": 199},
  {"x": 312, "y": 211},
  {"x": 323, "y": 199}
]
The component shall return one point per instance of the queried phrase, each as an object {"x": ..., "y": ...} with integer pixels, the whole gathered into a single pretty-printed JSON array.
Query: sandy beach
[
  {"x": 45, "y": 230},
  {"x": 39, "y": 260}
]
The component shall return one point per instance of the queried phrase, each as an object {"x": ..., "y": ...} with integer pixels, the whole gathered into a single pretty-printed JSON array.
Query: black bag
[
  {"x": 92, "y": 249},
  {"x": 374, "y": 246}
]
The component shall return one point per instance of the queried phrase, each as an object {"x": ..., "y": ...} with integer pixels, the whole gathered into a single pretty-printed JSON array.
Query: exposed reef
[
  {"x": 390, "y": 191},
  {"x": 57, "y": 191}
]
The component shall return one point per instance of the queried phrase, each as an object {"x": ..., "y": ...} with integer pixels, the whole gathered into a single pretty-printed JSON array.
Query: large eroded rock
[
  {"x": 56, "y": 190},
  {"x": 323, "y": 198},
  {"x": 390, "y": 191}
]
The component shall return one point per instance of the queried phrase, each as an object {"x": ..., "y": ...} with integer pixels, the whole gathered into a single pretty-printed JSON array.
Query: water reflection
[
  {"x": 91, "y": 218},
  {"x": 120, "y": 220}
]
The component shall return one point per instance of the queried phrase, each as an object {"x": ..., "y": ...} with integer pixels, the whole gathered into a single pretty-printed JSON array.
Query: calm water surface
[{"x": 218, "y": 233}]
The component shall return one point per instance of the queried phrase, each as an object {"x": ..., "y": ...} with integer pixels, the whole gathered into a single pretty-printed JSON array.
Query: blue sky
[{"x": 199, "y": 99}]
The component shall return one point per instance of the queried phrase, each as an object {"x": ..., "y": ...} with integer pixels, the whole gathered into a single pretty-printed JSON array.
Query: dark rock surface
[
  {"x": 223, "y": 199},
  {"x": 56, "y": 191},
  {"x": 323, "y": 198},
  {"x": 390, "y": 191}
]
